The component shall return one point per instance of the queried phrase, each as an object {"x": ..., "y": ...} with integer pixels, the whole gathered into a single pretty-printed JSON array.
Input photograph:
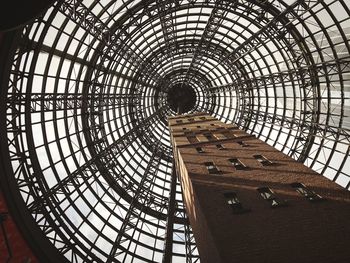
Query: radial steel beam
[
  {"x": 319, "y": 69},
  {"x": 132, "y": 217},
  {"x": 114, "y": 41},
  {"x": 166, "y": 19},
  {"x": 216, "y": 17},
  {"x": 276, "y": 28},
  {"x": 168, "y": 244},
  {"x": 281, "y": 27},
  {"x": 332, "y": 133},
  {"x": 31, "y": 45},
  {"x": 40, "y": 200},
  {"x": 190, "y": 245},
  {"x": 44, "y": 102}
]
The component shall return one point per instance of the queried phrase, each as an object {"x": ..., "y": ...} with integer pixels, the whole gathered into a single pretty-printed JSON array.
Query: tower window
[
  {"x": 228, "y": 134},
  {"x": 209, "y": 136},
  {"x": 242, "y": 143},
  {"x": 237, "y": 163},
  {"x": 200, "y": 150},
  {"x": 267, "y": 194},
  {"x": 202, "y": 118},
  {"x": 303, "y": 190},
  {"x": 191, "y": 137},
  {"x": 262, "y": 159},
  {"x": 212, "y": 169},
  {"x": 233, "y": 201},
  {"x": 220, "y": 147}
]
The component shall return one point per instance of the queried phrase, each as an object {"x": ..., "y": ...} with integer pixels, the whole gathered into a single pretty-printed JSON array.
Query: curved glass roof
[{"x": 87, "y": 147}]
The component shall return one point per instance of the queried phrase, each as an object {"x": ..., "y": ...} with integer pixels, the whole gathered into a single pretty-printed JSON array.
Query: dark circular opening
[{"x": 181, "y": 98}]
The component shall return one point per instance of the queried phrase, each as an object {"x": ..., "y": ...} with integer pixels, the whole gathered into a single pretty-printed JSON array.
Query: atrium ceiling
[{"x": 87, "y": 88}]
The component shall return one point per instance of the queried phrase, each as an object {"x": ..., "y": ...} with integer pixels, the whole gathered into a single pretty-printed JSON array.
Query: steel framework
[{"x": 84, "y": 140}]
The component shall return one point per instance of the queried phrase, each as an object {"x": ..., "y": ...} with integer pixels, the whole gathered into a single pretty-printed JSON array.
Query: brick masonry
[
  {"x": 301, "y": 231},
  {"x": 21, "y": 253}
]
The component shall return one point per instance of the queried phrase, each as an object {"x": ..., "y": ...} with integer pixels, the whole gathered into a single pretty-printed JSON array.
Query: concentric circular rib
[{"x": 87, "y": 89}]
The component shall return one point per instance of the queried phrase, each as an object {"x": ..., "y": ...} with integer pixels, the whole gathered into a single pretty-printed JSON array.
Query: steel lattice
[{"x": 85, "y": 141}]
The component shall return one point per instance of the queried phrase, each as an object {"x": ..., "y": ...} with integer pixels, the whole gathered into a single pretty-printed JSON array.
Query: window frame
[
  {"x": 237, "y": 163},
  {"x": 233, "y": 201},
  {"x": 200, "y": 150},
  {"x": 269, "y": 195},
  {"x": 306, "y": 192},
  {"x": 263, "y": 160},
  {"x": 212, "y": 168}
]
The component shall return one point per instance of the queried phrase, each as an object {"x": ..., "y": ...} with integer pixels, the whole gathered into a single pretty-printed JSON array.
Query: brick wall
[
  {"x": 300, "y": 231},
  {"x": 21, "y": 253}
]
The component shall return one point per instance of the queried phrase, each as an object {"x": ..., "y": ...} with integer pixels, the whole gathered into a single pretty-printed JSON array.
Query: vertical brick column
[{"x": 247, "y": 202}]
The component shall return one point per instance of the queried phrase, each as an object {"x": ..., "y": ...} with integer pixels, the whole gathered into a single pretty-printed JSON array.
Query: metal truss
[
  {"x": 55, "y": 101},
  {"x": 132, "y": 218},
  {"x": 216, "y": 18},
  {"x": 167, "y": 22},
  {"x": 303, "y": 124},
  {"x": 85, "y": 144},
  {"x": 277, "y": 28},
  {"x": 190, "y": 245},
  {"x": 168, "y": 244}
]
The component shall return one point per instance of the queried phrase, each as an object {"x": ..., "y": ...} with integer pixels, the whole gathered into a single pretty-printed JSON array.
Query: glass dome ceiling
[{"x": 88, "y": 86}]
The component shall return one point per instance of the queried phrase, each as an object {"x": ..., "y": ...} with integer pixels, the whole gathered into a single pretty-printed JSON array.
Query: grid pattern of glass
[{"x": 86, "y": 109}]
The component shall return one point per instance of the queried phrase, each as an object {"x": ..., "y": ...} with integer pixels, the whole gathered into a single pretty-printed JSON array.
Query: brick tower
[{"x": 248, "y": 202}]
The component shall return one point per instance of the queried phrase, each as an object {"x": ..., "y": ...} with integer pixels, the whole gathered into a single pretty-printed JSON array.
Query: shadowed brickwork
[
  {"x": 13, "y": 248},
  {"x": 248, "y": 202}
]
